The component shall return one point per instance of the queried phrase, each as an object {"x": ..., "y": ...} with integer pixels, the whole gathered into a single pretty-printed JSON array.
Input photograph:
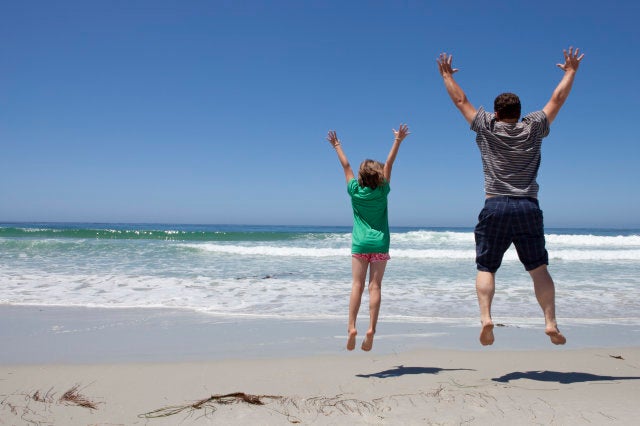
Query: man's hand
[
  {"x": 444, "y": 65},
  {"x": 561, "y": 92},
  {"x": 571, "y": 60},
  {"x": 453, "y": 89}
]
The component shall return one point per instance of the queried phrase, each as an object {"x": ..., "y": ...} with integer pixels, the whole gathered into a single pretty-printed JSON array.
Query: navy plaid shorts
[{"x": 505, "y": 220}]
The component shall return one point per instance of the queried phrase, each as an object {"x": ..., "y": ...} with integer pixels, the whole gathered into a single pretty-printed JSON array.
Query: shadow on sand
[
  {"x": 560, "y": 377},
  {"x": 401, "y": 370}
]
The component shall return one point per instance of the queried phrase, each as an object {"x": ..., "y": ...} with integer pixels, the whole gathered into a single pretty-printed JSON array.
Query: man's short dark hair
[{"x": 506, "y": 106}]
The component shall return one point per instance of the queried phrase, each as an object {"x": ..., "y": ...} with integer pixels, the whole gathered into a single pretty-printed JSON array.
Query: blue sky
[{"x": 217, "y": 111}]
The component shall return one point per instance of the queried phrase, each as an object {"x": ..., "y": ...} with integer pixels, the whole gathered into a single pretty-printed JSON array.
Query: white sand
[
  {"x": 130, "y": 362},
  {"x": 585, "y": 386}
]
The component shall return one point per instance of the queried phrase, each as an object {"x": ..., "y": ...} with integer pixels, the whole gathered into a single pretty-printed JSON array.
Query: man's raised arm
[
  {"x": 455, "y": 91},
  {"x": 560, "y": 94}
]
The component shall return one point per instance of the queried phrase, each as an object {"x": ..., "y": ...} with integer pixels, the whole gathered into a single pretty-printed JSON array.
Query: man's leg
[
  {"x": 493, "y": 238},
  {"x": 530, "y": 244},
  {"x": 486, "y": 288},
  {"x": 359, "y": 274},
  {"x": 546, "y": 295},
  {"x": 376, "y": 272}
]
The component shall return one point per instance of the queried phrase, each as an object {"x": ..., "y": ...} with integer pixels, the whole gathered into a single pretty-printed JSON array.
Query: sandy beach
[{"x": 292, "y": 381}]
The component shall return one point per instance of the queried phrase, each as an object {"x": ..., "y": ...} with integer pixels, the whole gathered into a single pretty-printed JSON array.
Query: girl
[{"x": 370, "y": 236}]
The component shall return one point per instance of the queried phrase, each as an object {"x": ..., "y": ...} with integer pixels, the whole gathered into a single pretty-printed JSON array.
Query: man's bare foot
[
  {"x": 556, "y": 337},
  {"x": 486, "y": 334},
  {"x": 367, "y": 343},
  {"x": 351, "y": 340}
]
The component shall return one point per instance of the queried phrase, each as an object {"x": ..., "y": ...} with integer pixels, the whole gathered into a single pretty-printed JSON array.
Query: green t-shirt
[{"x": 370, "y": 218}]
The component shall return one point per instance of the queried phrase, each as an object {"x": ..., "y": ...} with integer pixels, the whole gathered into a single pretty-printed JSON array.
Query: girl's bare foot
[
  {"x": 556, "y": 337},
  {"x": 367, "y": 343},
  {"x": 486, "y": 333},
  {"x": 351, "y": 340}
]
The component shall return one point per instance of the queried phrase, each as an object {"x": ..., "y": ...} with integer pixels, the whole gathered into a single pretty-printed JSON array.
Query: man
[{"x": 510, "y": 152}]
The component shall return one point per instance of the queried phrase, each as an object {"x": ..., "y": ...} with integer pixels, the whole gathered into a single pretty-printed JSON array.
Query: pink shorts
[{"x": 372, "y": 257}]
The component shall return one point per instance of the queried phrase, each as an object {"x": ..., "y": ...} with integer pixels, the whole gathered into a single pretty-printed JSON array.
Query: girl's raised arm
[
  {"x": 335, "y": 143},
  {"x": 400, "y": 134}
]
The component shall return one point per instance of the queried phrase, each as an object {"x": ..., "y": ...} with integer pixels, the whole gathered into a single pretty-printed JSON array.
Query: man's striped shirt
[{"x": 510, "y": 152}]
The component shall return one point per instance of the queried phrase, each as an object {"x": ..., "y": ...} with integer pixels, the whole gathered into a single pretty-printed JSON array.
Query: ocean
[{"x": 304, "y": 272}]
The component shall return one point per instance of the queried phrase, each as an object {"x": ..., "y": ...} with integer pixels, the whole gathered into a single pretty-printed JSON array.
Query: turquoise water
[{"x": 295, "y": 272}]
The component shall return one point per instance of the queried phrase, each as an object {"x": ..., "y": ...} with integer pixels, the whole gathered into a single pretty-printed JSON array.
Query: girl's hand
[
  {"x": 401, "y": 133},
  {"x": 332, "y": 137}
]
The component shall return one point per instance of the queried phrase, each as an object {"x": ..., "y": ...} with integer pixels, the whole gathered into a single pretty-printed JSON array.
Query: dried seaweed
[
  {"x": 294, "y": 409},
  {"x": 37, "y": 405},
  {"x": 47, "y": 397},
  {"x": 230, "y": 398},
  {"x": 74, "y": 397}
]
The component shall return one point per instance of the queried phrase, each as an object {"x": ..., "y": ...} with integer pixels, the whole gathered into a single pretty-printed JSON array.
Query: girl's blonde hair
[{"x": 371, "y": 174}]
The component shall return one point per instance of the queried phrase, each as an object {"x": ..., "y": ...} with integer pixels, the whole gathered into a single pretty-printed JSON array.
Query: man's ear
[{"x": 497, "y": 115}]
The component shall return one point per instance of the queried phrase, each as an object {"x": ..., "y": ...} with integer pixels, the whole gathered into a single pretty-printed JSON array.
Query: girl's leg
[
  {"x": 376, "y": 272},
  {"x": 359, "y": 274}
]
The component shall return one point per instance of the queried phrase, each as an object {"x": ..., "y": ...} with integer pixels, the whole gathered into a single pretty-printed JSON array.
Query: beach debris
[
  {"x": 296, "y": 409},
  {"x": 70, "y": 397},
  {"x": 38, "y": 407},
  {"x": 616, "y": 356},
  {"x": 265, "y": 276},
  {"x": 74, "y": 397},
  {"x": 226, "y": 399},
  {"x": 47, "y": 397},
  {"x": 340, "y": 405}
]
